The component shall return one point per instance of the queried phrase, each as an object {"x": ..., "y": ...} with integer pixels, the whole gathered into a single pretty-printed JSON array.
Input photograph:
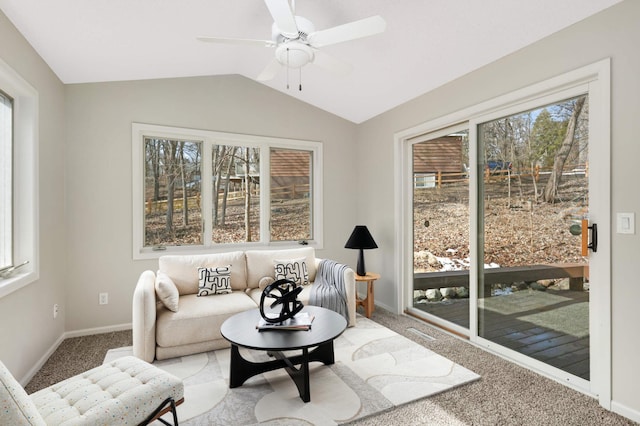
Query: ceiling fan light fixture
[
  {"x": 297, "y": 43},
  {"x": 294, "y": 54}
]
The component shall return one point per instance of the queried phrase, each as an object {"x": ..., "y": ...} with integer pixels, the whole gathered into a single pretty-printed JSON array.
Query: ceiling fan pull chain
[{"x": 300, "y": 79}]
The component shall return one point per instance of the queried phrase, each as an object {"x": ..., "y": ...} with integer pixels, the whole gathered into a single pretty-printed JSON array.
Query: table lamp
[{"x": 361, "y": 239}]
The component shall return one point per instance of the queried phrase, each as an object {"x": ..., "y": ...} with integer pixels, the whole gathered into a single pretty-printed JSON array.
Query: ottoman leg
[{"x": 161, "y": 410}]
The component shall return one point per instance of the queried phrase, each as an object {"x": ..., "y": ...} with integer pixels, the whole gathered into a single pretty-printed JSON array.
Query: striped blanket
[{"x": 328, "y": 290}]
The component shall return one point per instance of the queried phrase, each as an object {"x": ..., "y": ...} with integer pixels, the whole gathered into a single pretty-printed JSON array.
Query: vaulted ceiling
[{"x": 426, "y": 43}]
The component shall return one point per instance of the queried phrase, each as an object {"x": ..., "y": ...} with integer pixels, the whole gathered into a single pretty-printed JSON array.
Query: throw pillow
[
  {"x": 215, "y": 280},
  {"x": 167, "y": 291},
  {"x": 292, "y": 269},
  {"x": 264, "y": 282}
]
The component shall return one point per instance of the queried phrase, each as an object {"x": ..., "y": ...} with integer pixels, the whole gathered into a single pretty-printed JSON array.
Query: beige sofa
[{"x": 160, "y": 333}]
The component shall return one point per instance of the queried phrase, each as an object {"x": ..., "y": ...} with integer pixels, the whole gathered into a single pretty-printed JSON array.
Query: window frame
[
  {"x": 6, "y": 182},
  {"x": 25, "y": 214},
  {"x": 209, "y": 138},
  {"x": 593, "y": 79}
]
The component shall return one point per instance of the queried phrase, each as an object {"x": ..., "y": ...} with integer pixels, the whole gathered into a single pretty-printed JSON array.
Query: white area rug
[{"x": 376, "y": 369}]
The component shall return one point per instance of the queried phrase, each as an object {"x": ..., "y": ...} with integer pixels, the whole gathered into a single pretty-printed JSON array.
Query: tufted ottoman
[{"x": 126, "y": 391}]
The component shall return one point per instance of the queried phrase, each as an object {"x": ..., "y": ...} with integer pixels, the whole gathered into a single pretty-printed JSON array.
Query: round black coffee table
[{"x": 240, "y": 330}]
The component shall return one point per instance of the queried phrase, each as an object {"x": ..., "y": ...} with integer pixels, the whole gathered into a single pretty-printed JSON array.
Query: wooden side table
[{"x": 367, "y": 302}]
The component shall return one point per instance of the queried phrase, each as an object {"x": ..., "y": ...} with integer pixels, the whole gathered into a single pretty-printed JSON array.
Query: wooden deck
[{"x": 551, "y": 326}]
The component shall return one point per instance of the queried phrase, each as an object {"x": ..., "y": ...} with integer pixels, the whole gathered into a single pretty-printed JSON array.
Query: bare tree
[
  {"x": 219, "y": 154},
  {"x": 153, "y": 157},
  {"x": 551, "y": 190},
  {"x": 227, "y": 180},
  {"x": 171, "y": 148},
  {"x": 183, "y": 178},
  {"x": 247, "y": 198}
]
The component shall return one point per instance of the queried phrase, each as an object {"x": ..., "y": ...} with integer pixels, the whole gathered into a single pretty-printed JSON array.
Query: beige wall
[
  {"x": 98, "y": 179},
  {"x": 85, "y": 175},
  {"x": 27, "y": 327},
  {"x": 613, "y": 33}
]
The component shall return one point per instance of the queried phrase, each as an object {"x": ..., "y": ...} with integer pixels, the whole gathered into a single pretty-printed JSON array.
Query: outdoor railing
[{"x": 576, "y": 272}]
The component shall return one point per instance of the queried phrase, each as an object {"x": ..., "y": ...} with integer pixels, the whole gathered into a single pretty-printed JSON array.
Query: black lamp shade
[{"x": 361, "y": 239}]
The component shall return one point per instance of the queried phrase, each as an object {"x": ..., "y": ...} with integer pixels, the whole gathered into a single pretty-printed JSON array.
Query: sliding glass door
[
  {"x": 441, "y": 227},
  {"x": 533, "y": 286},
  {"x": 499, "y": 237}
]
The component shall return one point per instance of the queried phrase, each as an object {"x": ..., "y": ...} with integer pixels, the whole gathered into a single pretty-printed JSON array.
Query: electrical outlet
[
  {"x": 56, "y": 310},
  {"x": 104, "y": 298}
]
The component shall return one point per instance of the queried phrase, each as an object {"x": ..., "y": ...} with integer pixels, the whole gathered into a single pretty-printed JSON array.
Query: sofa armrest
[
  {"x": 350, "y": 288},
  {"x": 144, "y": 317}
]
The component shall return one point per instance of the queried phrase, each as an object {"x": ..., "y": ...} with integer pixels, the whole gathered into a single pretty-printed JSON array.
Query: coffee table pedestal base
[{"x": 242, "y": 369}]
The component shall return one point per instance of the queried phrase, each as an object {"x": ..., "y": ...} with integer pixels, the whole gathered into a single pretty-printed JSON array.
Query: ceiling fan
[{"x": 297, "y": 43}]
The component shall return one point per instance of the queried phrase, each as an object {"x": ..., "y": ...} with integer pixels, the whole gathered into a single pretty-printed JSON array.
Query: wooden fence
[
  {"x": 442, "y": 178},
  {"x": 289, "y": 192}
]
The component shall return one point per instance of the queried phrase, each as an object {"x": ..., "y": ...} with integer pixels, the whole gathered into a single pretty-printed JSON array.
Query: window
[
  {"x": 172, "y": 214},
  {"x": 291, "y": 177},
  {"x": 196, "y": 190},
  {"x": 18, "y": 181},
  {"x": 6, "y": 181}
]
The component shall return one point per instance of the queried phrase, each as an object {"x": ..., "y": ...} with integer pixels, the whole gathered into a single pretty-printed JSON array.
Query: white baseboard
[
  {"x": 625, "y": 411},
  {"x": 27, "y": 378},
  {"x": 386, "y": 307},
  {"x": 66, "y": 335},
  {"x": 97, "y": 330}
]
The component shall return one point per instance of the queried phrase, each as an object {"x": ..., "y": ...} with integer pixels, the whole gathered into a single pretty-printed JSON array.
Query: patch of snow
[{"x": 449, "y": 264}]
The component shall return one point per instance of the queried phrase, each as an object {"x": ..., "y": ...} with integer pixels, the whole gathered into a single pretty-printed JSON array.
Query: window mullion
[
  {"x": 206, "y": 182},
  {"x": 317, "y": 196},
  {"x": 265, "y": 194}
]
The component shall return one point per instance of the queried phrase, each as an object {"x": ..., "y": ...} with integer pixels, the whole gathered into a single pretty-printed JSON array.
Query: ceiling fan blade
[
  {"x": 243, "y": 41},
  {"x": 330, "y": 63},
  {"x": 353, "y": 30},
  {"x": 283, "y": 17},
  {"x": 270, "y": 71}
]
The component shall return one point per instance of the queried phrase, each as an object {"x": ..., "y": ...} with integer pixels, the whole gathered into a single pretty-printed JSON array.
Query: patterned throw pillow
[
  {"x": 214, "y": 280},
  {"x": 292, "y": 269}
]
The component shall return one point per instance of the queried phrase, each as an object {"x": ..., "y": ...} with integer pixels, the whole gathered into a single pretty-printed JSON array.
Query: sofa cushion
[
  {"x": 199, "y": 318},
  {"x": 183, "y": 269},
  {"x": 260, "y": 263},
  {"x": 212, "y": 281},
  {"x": 166, "y": 291}
]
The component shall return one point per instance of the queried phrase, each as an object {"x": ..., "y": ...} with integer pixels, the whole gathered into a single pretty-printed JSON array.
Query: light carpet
[{"x": 376, "y": 369}]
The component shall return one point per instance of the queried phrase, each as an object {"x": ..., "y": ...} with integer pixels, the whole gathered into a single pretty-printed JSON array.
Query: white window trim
[
  {"x": 25, "y": 179},
  {"x": 210, "y": 137}
]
